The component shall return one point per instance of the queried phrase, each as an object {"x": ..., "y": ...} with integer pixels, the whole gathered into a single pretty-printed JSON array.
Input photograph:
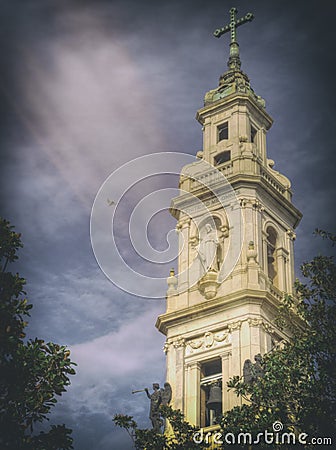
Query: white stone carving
[
  {"x": 235, "y": 325},
  {"x": 207, "y": 341},
  {"x": 179, "y": 342}
]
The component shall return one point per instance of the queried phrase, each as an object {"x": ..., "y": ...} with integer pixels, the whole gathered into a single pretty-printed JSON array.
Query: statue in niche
[{"x": 208, "y": 249}]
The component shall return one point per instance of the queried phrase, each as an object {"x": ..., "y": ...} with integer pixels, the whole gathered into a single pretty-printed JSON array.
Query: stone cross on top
[{"x": 234, "y": 60}]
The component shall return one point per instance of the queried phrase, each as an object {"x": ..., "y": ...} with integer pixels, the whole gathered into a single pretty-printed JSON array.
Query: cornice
[
  {"x": 229, "y": 102},
  {"x": 219, "y": 304}
]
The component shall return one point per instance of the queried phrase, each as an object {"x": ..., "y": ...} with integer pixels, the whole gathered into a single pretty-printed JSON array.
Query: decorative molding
[
  {"x": 196, "y": 344},
  {"x": 268, "y": 328},
  {"x": 226, "y": 198},
  {"x": 280, "y": 344},
  {"x": 255, "y": 322},
  {"x": 291, "y": 235},
  {"x": 251, "y": 252},
  {"x": 208, "y": 340},
  {"x": 213, "y": 339},
  {"x": 166, "y": 346},
  {"x": 224, "y": 229},
  {"x": 256, "y": 204},
  {"x": 193, "y": 365},
  {"x": 194, "y": 241},
  {"x": 183, "y": 223},
  {"x": 233, "y": 326},
  {"x": 179, "y": 342},
  {"x": 221, "y": 337},
  {"x": 208, "y": 284},
  {"x": 251, "y": 203},
  {"x": 226, "y": 356},
  {"x": 176, "y": 343}
]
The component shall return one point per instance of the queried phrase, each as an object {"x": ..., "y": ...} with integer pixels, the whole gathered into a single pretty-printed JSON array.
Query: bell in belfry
[{"x": 215, "y": 397}]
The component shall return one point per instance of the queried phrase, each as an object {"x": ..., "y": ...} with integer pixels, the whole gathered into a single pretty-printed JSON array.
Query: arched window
[
  {"x": 253, "y": 136},
  {"x": 271, "y": 254},
  {"x": 223, "y": 132}
]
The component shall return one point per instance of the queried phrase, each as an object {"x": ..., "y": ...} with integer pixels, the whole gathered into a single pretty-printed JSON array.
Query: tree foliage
[
  {"x": 298, "y": 385},
  {"x": 179, "y": 436},
  {"x": 32, "y": 372}
]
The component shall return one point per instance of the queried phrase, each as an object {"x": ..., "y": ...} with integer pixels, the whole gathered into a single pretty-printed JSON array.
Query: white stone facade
[{"x": 213, "y": 323}]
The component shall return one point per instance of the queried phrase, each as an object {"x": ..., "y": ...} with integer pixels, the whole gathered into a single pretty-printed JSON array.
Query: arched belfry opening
[
  {"x": 272, "y": 269},
  {"x": 211, "y": 392}
]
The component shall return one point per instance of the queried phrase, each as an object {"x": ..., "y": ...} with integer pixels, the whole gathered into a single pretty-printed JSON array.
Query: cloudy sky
[{"x": 87, "y": 86}]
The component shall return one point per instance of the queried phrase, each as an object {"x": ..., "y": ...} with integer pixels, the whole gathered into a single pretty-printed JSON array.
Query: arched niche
[
  {"x": 272, "y": 245},
  {"x": 215, "y": 225}
]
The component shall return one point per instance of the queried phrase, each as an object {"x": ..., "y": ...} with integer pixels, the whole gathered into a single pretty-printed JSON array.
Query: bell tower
[{"x": 236, "y": 221}]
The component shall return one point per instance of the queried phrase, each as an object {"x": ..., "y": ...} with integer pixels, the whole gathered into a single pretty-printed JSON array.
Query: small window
[
  {"x": 223, "y": 131},
  {"x": 253, "y": 134},
  {"x": 222, "y": 157}
]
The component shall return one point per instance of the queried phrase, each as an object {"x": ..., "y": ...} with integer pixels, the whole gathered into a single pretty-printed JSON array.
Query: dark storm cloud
[{"x": 87, "y": 86}]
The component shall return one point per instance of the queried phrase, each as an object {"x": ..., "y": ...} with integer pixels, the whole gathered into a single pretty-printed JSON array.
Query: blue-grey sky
[{"x": 87, "y": 86}]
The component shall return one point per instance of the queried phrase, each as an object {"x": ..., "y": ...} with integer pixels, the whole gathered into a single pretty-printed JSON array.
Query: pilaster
[{"x": 192, "y": 393}]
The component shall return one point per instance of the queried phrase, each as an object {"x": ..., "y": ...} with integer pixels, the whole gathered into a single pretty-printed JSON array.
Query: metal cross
[{"x": 234, "y": 23}]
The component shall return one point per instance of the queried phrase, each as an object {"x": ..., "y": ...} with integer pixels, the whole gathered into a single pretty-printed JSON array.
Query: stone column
[
  {"x": 177, "y": 373},
  {"x": 245, "y": 344},
  {"x": 228, "y": 396},
  {"x": 235, "y": 366},
  {"x": 281, "y": 256},
  {"x": 183, "y": 269},
  {"x": 268, "y": 331},
  {"x": 261, "y": 142},
  {"x": 207, "y": 145},
  {"x": 249, "y": 220},
  {"x": 264, "y": 253},
  {"x": 257, "y": 344},
  {"x": 193, "y": 393},
  {"x": 290, "y": 261}
]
